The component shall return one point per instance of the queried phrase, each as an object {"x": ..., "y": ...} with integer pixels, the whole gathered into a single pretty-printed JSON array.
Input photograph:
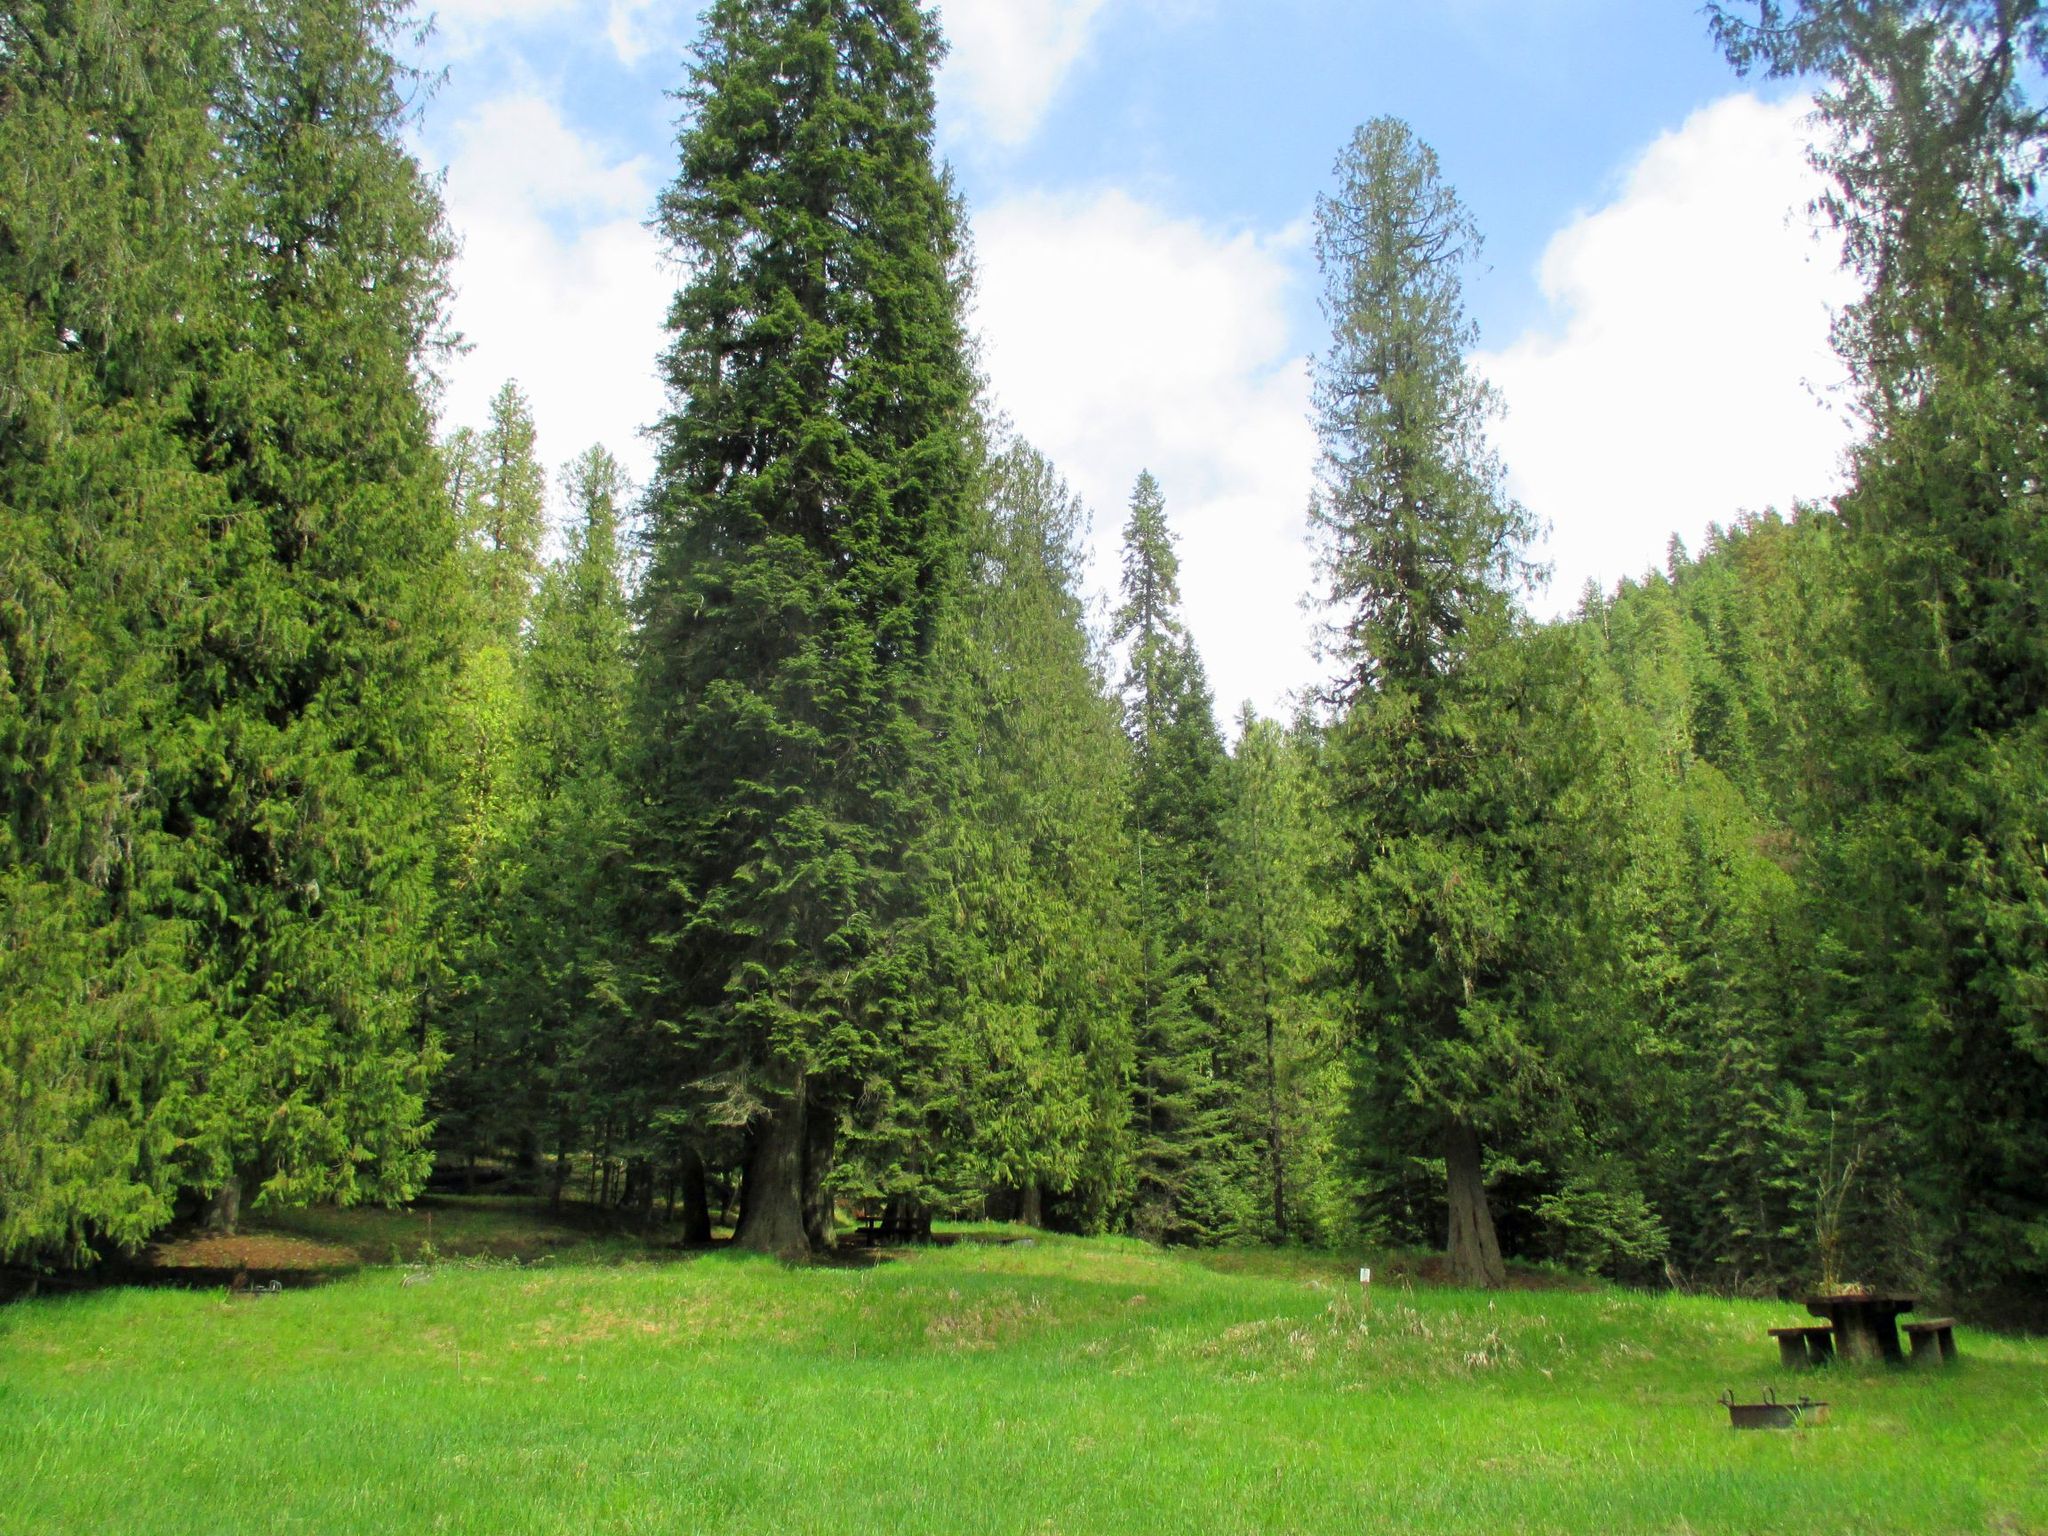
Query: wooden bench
[
  {"x": 1802, "y": 1347},
  {"x": 1934, "y": 1341}
]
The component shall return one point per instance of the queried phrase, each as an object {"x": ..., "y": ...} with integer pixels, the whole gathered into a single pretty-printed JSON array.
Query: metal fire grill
[{"x": 1772, "y": 1414}]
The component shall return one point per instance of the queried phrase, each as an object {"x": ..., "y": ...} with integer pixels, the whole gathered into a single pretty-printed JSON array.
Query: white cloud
[
  {"x": 1009, "y": 59},
  {"x": 464, "y": 26},
  {"x": 559, "y": 284},
  {"x": 1120, "y": 338},
  {"x": 1689, "y": 376}
]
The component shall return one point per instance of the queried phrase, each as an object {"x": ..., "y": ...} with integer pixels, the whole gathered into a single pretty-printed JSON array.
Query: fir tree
[
  {"x": 807, "y": 523},
  {"x": 1192, "y": 1182}
]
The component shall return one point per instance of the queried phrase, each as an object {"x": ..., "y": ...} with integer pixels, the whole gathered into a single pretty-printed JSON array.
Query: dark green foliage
[
  {"x": 1043, "y": 858},
  {"x": 1195, "y": 1179},
  {"x": 1442, "y": 798},
  {"x": 807, "y": 542},
  {"x": 1937, "y": 142}
]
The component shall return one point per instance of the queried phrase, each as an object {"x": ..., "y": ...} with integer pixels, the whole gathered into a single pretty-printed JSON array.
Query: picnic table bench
[
  {"x": 1805, "y": 1346},
  {"x": 1934, "y": 1341}
]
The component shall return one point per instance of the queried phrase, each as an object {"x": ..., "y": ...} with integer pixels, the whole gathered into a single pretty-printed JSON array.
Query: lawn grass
[{"x": 1061, "y": 1386}]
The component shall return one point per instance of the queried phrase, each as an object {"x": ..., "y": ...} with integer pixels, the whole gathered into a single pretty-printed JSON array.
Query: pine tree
[
  {"x": 807, "y": 527},
  {"x": 1192, "y": 1176}
]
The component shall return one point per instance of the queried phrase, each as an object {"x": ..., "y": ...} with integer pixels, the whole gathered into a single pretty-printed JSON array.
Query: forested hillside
[{"x": 790, "y": 837}]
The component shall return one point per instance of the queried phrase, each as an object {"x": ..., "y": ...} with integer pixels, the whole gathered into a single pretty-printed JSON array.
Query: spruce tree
[
  {"x": 806, "y": 527},
  {"x": 1192, "y": 1182}
]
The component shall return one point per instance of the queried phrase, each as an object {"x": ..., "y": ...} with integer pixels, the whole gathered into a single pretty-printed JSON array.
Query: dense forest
[{"x": 799, "y": 842}]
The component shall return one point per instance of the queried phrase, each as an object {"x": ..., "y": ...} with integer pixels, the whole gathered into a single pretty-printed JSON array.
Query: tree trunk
[
  {"x": 1031, "y": 1204},
  {"x": 1473, "y": 1249},
  {"x": 772, "y": 1212},
  {"x": 821, "y": 1142},
  {"x": 224, "y": 1210},
  {"x": 696, "y": 1200}
]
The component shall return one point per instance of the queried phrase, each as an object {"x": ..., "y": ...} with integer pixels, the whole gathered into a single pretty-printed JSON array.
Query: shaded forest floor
[{"x": 520, "y": 1372}]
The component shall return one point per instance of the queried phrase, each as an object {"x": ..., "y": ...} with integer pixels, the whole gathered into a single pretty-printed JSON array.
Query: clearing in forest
[{"x": 1057, "y": 1385}]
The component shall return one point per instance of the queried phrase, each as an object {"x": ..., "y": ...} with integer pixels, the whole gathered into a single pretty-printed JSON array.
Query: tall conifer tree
[
  {"x": 1191, "y": 1175},
  {"x": 807, "y": 523},
  {"x": 111, "y": 299},
  {"x": 1044, "y": 849},
  {"x": 1423, "y": 553}
]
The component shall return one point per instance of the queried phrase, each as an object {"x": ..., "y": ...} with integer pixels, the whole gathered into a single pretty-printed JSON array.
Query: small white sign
[{"x": 1365, "y": 1277}]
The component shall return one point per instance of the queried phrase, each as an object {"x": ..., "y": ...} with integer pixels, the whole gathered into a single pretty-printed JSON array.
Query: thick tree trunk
[
  {"x": 821, "y": 1142},
  {"x": 696, "y": 1200},
  {"x": 224, "y": 1210},
  {"x": 772, "y": 1210},
  {"x": 1031, "y": 1203},
  {"x": 1473, "y": 1249}
]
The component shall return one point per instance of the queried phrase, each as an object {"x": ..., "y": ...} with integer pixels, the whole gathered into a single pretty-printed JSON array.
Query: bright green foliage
[
  {"x": 1044, "y": 860},
  {"x": 1442, "y": 800},
  {"x": 573, "y": 1063},
  {"x": 807, "y": 551},
  {"x": 223, "y": 275},
  {"x": 1937, "y": 143},
  {"x": 1271, "y": 914},
  {"x": 500, "y": 495},
  {"x": 1195, "y": 1180},
  {"x": 319, "y": 659},
  {"x": 498, "y": 490},
  {"x": 108, "y": 195}
]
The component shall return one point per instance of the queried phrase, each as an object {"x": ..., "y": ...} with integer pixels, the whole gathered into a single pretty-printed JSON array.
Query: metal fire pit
[{"x": 1772, "y": 1414}]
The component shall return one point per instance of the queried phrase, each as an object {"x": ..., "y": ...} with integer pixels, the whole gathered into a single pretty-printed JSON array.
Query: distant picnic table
[{"x": 1866, "y": 1327}]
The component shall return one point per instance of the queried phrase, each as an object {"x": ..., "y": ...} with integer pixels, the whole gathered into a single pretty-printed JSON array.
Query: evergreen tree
[
  {"x": 1937, "y": 141},
  {"x": 574, "y": 1056},
  {"x": 1043, "y": 861},
  {"x": 1193, "y": 1179},
  {"x": 1424, "y": 554},
  {"x": 111, "y": 296},
  {"x": 500, "y": 495},
  {"x": 1270, "y": 918},
  {"x": 498, "y": 491},
  {"x": 807, "y": 528},
  {"x": 320, "y": 659},
  {"x": 239, "y": 332}
]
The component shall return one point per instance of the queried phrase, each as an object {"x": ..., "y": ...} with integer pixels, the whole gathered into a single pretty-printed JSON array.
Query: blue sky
[{"x": 1141, "y": 173}]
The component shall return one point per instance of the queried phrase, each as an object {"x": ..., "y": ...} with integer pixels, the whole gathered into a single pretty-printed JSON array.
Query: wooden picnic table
[{"x": 1866, "y": 1327}]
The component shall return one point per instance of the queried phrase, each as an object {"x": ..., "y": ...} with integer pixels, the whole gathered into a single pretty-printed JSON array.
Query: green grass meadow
[{"x": 1060, "y": 1386}]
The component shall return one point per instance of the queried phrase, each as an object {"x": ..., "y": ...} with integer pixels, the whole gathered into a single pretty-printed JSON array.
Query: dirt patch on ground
[{"x": 251, "y": 1251}]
